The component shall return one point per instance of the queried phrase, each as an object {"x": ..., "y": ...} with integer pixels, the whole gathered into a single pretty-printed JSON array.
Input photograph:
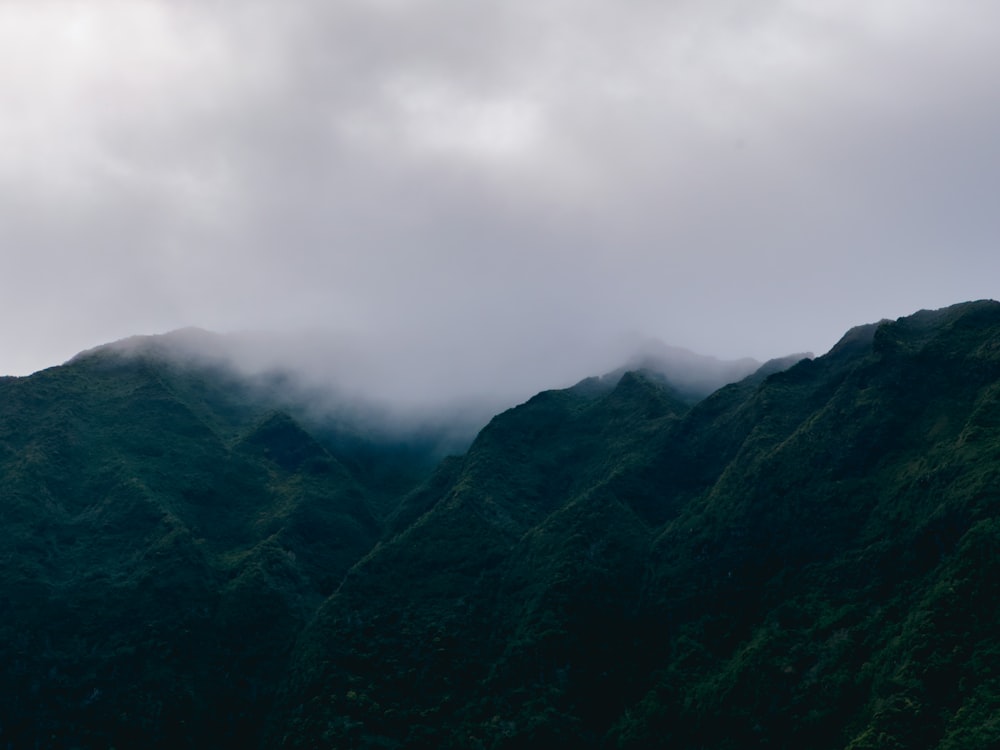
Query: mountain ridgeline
[{"x": 808, "y": 557}]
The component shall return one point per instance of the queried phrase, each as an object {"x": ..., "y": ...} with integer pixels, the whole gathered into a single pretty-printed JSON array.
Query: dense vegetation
[
  {"x": 809, "y": 557},
  {"x": 165, "y": 536}
]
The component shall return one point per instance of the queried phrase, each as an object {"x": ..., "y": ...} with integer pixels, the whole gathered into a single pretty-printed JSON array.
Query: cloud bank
[{"x": 499, "y": 192}]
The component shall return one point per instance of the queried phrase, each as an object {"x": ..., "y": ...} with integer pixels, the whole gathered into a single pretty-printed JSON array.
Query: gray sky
[{"x": 493, "y": 191}]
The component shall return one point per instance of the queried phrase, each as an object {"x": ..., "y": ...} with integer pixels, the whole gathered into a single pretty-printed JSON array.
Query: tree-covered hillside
[
  {"x": 807, "y": 558},
  {"x": 165, "y": 535}
]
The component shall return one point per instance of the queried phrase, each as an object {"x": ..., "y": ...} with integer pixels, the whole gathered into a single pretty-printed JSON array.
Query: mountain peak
[{"x": 190, "y": 345}]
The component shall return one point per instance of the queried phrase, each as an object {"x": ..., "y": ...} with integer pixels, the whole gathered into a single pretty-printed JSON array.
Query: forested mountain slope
[
  {"x": 165, "y": 535},
  {"x": 806, "y": 559},
  {"x": 809, "y": 557}
]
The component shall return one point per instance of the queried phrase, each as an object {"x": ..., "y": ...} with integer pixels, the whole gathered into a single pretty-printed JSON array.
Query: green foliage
[
  {"x": 800, "y": 560},
  {"x": 165, "y": 536},
  {"x": 807, "y": 558}
]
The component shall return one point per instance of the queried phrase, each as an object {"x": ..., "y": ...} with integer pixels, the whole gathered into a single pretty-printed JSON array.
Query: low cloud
[{"x": 497, "y": 195}]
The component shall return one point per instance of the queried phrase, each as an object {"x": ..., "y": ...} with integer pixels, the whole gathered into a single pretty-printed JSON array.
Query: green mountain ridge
[
  {"x": 166, "y": 539},
  {"x": 808, "y": 557},
  {"x": 794, "y": 584}
]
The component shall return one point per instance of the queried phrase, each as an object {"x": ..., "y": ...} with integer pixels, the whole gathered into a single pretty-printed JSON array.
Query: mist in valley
[{"x": 340, "y": 384}]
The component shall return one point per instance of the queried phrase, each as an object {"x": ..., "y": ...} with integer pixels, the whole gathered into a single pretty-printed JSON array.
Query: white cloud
[{"x": 739, "y": 178}]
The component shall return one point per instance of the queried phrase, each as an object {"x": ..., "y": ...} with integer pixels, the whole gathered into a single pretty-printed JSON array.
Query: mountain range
[{"x": 682, "y": 553}]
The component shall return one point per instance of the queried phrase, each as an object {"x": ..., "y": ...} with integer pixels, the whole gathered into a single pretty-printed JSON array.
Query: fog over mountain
[
  {"x": 496, "y": 192},
  {"x": 322, "y": 377}
]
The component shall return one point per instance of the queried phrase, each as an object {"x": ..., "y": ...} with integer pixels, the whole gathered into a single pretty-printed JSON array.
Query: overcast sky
[{"x": 493, "y": 190}]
